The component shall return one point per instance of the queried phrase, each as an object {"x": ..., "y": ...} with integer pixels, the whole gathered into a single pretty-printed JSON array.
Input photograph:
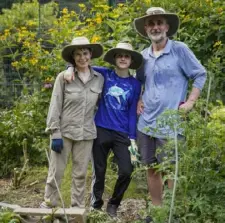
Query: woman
[
  {"x": 70, "y": 120},
  {"x": 116, "y": 123}
]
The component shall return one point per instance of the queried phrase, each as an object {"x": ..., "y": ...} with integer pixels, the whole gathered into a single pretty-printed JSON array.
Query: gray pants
[{"x": 81, "y": 153}]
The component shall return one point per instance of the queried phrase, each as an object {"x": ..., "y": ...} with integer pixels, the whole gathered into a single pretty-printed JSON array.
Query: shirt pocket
[
  {"x": 94, "y": 94},
  {"x": 73, "y": 96}
]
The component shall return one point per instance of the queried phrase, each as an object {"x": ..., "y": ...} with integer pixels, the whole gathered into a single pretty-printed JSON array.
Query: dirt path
[
  {"x": 32, "y": 195},
  {"x": 26, "y": 195}
]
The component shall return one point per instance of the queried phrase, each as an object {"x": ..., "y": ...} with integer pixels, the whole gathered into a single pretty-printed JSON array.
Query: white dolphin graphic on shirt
[{"x": 117, "y": 92}]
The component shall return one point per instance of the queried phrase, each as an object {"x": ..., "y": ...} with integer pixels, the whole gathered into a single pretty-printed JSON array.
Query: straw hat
[
  {"x": 81, "y": 42},
  {"x": 172, "y": 20},
  {"x": 127, "y": 48}
]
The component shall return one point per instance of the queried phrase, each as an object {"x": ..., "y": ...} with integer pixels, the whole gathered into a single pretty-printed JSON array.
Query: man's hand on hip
[{"x": 186, "y": 106}]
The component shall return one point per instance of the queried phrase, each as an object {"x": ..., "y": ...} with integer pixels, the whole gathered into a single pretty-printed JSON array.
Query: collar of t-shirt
[{"x": 157, "y": 53}]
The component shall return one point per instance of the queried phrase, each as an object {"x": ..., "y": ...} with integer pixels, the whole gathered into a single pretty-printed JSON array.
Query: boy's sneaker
[
  {"x": 112, "y": 210},
  {"x": 148, "y": 219},
  {"x": 45, "y": 205}
]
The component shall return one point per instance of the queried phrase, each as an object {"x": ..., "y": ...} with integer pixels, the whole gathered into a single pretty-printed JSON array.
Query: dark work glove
[{"x": 57, "y": 145}]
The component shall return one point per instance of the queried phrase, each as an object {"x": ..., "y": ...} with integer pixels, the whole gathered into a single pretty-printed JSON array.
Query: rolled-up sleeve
[
  {"x": 55, "y": 108},
  {"x": 191, "y": 67}
]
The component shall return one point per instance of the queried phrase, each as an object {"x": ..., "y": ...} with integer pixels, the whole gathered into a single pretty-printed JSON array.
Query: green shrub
[{"x": 25, "y": 121}]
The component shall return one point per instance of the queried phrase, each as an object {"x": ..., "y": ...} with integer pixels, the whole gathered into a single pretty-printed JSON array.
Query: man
[{"x": 167, "y": 67}]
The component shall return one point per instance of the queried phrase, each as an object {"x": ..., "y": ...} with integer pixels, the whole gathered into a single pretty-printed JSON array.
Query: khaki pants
[{"x": 81, "y": 153}]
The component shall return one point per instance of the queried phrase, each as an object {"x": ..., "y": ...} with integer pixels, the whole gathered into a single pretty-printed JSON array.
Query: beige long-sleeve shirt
[{"x": 72, "y": 107}]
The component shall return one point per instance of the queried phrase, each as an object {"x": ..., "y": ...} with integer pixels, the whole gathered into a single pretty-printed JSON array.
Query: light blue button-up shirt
[{"x": 166, "y": 81}]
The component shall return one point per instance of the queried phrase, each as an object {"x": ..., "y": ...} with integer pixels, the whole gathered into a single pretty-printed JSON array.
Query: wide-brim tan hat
[
  {"x": 121, "y": 48},
  {"x": 172, "y": 20},
  {"x": 81, "y": 42}
]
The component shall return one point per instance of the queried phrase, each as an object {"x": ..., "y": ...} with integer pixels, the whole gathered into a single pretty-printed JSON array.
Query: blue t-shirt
[
  {"x": 117, "y": 108},
  {"x": 166, "y": 81}
]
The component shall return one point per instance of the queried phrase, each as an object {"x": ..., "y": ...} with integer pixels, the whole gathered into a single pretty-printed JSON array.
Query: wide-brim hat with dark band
[
  {"x": 81, "y": 42},
  {"x": 121, "y": 48},
  {"x": 172, "y": 20}
]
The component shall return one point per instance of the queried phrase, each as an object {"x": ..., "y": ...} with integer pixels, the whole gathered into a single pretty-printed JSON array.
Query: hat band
[{"x": 156, "y": 12}]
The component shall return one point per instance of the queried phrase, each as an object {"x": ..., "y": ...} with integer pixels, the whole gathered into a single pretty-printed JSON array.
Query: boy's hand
[
  {"x": 68, "y": 75},
  {"x": 134, "y": 154}
]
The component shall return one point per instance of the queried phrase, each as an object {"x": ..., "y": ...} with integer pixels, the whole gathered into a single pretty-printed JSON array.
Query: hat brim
[
  {"x": 67, "y": 52},
  {"x": 172, "y": 20},
  {"x": 137, "y": 58}
]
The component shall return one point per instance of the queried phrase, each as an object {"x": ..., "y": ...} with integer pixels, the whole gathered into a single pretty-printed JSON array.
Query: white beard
[{"x": 157, "y": 38}]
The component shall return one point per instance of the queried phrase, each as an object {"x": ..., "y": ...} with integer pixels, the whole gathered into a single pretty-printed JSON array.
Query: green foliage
[
  {"x": 25, "y": 121},
  {"x": 99, "y": 217},
  {"x": 14, "y": 18},
  {"x": 200, "y": 196},
  {"x": 39, "y": 47},
  {"x": 8, "y": 217}
]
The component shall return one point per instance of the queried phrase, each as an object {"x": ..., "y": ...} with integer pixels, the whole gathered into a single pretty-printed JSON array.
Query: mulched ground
[{"x": 29, "y": 195}]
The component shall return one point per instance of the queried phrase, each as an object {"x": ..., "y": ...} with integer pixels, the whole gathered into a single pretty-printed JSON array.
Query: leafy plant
[{"x": 9, "y": 217}]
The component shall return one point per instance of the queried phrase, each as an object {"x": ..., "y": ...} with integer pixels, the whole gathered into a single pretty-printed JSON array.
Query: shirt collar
[
  {"x": 166, "y": 49},
  {"x": 93, "y": 72}
]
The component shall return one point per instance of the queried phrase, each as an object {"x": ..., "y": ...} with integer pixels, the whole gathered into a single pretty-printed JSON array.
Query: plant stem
[
  {"x": 208, "y": 95},
  {"x": 176, "y": 174}
]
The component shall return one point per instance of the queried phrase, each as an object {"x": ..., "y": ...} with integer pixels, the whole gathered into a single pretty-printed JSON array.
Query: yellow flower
[
  {"x": 105, "y": 7},
  {"x": 7, "y": 32},
  {"x": 15, "y": 64},
  {"x": 2, "y": 38},
  {"x": 79, "y": 33},
  {"x": 26, "y": 44},
  {"x": 99, "y": 20},
  {"x": 32, "y": 35},
  {"x": 43, "y": 68},
  {"x": 46, "y": 52},
  {"x": 73, "y": 13},
  {"x": 217, "y": 43},
  {"x": 48, "y": 79},
  {"x": 91, "y": 24},
  {"x": 31, "y": 23},
  {"x": 24, "y": 59},
  {"x": 220, "y": 10},
  {"x": 186, "y": 18},
  {"x": 81, "y": 6},
  {"x": 33, "y": 61},
  {"x": 64, "y": 11},
  {"x": 114, "y": 16},
  {"x": 95, "y": 39}
]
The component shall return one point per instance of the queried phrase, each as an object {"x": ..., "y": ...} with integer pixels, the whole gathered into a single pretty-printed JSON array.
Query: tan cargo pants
[{"x": 81, "y": 153}]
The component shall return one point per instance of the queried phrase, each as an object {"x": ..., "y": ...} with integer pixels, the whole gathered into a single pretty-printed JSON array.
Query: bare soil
[{"x": 30, "y": 194}]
